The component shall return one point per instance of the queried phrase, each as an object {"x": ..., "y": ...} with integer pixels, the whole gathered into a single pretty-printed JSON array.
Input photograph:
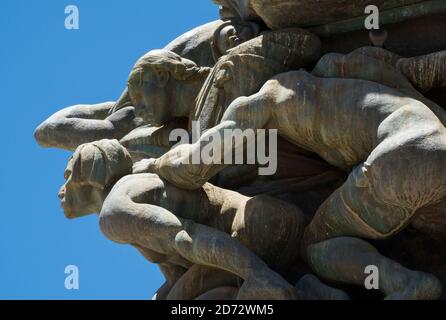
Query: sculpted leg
[
  {"x": 361, "y": 65},
  {"x": 382, "y": 66},
  {"x": 344, "y": 260},
  {"x": 76, "y": 125},
  {"x": 403, "y": 174},
  {"x": 199, "y": 280},
  {"x": 424, "y": 72},
  {"x": 335, "y": 256},
  {"x": 244, "y": 113},
  {"x": 221, "y": 293},
  {"x": 172, "y": 273},
  {"x": 124, "y": 220},
  {"x": 204, "y": 245}
]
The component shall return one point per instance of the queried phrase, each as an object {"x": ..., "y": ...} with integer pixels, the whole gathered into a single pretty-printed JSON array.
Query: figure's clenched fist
[
  {"x": 178, "y": 168},
  {"x": 144, "y": 166}
]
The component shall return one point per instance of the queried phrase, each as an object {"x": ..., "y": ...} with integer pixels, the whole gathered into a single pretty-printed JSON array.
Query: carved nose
[{"x": 61, "y": 194}]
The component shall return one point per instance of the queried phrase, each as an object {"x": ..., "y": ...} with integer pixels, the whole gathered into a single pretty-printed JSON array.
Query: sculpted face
[
  {"x": 91, "y": 172},
  {"x": 79, "y": 196},
  {"x": 234, "y": 34},
  {"x": 149, "y": 94}
]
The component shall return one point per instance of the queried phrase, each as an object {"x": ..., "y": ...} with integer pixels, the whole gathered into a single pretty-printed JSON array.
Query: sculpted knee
[
  {"x": 408, "y": 170},
  {"x": 183, "y": 241},
  {"x": 115, "y": 220},
  {"x": 183, "y": 237}
]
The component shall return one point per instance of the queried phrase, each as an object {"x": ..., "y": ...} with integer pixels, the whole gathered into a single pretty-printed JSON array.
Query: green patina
[{"x": 395, "y": 15}]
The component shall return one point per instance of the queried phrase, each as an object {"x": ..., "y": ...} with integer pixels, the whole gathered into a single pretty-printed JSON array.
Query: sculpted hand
[
  {"x": 124, "y": 119},
  {"x": 144, "y": 166},
  {"x": 177, "y": 168}
]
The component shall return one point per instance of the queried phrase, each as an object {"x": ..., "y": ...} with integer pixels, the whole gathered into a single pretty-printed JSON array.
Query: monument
[{"x": 360, "y": 182}]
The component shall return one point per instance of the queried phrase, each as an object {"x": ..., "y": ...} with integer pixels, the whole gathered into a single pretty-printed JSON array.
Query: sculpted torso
[
  {"x": 363, "y": 114},
  {"x": 342, "y": 120},
  {"x": 177, "y": 229},
  {"x": 375, "y": 132}
]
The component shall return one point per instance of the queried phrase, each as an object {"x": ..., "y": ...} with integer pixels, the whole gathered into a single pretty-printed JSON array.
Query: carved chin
[
  {"x": 71, "y": 212},
  {"x": 70, "y": 215},
  {"x": 67, "y": 210}
]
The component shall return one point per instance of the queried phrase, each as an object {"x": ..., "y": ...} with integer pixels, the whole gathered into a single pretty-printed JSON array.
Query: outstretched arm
[
  {"x": 153, "y": 227},
  {"x": 186, "y": 166},
  {"x": 76, "y": 125},
  {"x": 147, "y": 142}
]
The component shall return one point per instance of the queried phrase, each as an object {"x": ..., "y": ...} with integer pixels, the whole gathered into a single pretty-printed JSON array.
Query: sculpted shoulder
[
  {"x": 284, "y": 86},
  {"x": 135, "y": 185}
]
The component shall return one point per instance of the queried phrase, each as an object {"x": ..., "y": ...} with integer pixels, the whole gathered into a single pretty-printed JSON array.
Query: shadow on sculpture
[{"x": 361, "y": 176}]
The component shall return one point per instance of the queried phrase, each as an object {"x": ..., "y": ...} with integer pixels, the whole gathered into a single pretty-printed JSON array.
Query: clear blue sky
[{"x": 43, "y": 68}]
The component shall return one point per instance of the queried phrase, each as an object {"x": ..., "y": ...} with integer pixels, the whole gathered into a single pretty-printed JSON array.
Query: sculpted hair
[
  {"x": 179, "y": 68},
  {"x": 101, "y": 163},
  {"x": 255, "y": 29}
]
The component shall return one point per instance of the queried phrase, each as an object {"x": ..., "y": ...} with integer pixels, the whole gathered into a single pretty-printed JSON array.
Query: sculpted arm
[
  {"x": 125, "y": 218},
  {"x": 147, "y": 142},
  {"x": 76, "y": 125},
  {"x": 425, "y": 72},
  {"x": 179, "y": 166},
  {"x": 381, "y": 66}
]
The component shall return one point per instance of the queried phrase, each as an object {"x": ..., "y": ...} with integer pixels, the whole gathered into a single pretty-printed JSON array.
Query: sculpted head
[
  {"x": 155, "y": 85},
  {"x": 231, "y": 34},
  {"x": 246, "y": 68},
  {"x": 90, "y": 174}
]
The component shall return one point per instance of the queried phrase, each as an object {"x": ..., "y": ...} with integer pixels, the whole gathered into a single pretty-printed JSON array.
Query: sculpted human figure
[
  {"x": 178, "y": 228},
  {"x": 79, "y": 124},
  {"x": 392, "y": 144},
  {"x": 157, "y": 90},
  {"x": 230, "y": 35},
  {"x": 247, "y": 67},
  {"x": 420, "y": 74},
  {"x": 408, "y": 75},
  {"x": 361, "y": 153}
]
